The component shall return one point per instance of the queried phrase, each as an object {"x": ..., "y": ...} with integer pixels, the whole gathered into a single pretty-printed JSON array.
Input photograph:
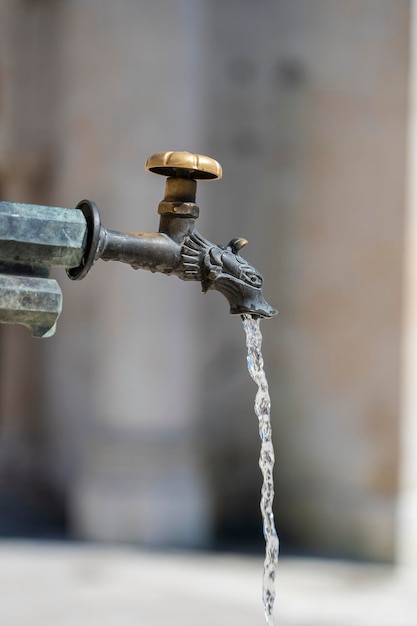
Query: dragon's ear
[
  {"x": 236, "y": 244},
  {"x": 215, "y": 256}
]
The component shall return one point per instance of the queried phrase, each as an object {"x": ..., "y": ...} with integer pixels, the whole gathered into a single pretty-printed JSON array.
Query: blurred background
[{"x": 134, "y": 423}]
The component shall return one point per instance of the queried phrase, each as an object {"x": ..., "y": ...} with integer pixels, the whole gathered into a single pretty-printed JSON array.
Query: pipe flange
[{"x": 92, "y": 216}]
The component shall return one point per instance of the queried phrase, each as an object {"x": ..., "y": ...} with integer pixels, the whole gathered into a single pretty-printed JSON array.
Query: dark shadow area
[{"x": 30, "y": 510}]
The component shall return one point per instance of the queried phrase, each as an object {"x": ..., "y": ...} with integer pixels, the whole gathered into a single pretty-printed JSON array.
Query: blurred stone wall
[{"x": 140, "y": 409}]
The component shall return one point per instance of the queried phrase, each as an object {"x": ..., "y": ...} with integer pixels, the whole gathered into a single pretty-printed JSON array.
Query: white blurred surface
[{"x": 66, "y": 584}]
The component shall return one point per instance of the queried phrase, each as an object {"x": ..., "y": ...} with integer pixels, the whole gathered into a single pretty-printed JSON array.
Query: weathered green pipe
[
  {"x": 32, "y": 239},
  {"x": 41, "y": 235}
]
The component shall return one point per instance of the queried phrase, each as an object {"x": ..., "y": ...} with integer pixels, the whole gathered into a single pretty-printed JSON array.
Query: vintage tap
[{"x": 35, "y": 238}]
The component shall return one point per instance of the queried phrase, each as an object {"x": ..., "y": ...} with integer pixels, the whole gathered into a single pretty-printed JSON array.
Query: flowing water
[{"x": 266, "y": 460}]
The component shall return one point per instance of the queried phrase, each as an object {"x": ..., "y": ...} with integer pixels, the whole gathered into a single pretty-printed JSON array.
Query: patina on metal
[
  {"x": 41, "y": 235},
  {"x": 34, "y": 238},
  {"x": 35, "y": 302}
]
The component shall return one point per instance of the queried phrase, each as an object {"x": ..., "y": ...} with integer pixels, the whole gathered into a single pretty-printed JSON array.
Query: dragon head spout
[{"x": 222, "y": 268}]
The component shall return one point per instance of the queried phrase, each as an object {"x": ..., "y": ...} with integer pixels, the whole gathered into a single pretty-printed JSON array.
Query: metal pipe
[
  {"x": 41, "y": 235},
  {"x": 156, "y": 252}
]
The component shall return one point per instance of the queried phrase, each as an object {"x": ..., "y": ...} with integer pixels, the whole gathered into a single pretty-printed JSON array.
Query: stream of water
[{"x": 255, "y": 361}]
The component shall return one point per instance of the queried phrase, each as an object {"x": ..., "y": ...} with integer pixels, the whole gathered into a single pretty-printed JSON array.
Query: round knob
[{"x": 184, "y": 165}]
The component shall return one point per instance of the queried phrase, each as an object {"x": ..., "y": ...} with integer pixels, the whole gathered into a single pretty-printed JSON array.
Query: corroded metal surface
[
  {"x": 41, "y": 235},
  {"x": 32, "y": 301},
  {"x": 32, "y": 239}
]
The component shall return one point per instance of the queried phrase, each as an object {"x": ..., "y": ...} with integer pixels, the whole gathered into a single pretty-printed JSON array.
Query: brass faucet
[{"x": 33, "y": 238}]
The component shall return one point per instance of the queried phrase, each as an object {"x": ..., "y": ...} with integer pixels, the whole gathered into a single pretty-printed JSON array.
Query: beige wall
[
  {"x": 407, "y": 485},
  {"x": 146, "y": 404},
  {"x": 316, "y": 112}
]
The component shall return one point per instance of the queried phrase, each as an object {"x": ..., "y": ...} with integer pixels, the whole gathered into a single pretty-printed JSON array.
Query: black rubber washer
[{"x": 92, "y": 216}]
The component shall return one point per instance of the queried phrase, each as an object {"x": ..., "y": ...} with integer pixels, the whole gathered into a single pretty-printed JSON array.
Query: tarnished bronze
[{"x": 32, "y": 239}]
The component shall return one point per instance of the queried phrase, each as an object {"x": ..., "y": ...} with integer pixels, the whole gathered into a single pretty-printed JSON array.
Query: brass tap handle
[
  {"x": 182, "y": 169},
  {"x": 184, "y": 165}
]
